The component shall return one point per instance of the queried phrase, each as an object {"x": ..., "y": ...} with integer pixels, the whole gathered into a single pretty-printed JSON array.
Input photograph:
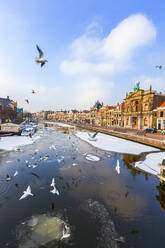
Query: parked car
[{"x": 150, "y": 130}]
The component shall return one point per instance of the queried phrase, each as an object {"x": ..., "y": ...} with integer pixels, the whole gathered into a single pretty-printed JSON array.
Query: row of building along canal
[{"x": 61, "y": 191}]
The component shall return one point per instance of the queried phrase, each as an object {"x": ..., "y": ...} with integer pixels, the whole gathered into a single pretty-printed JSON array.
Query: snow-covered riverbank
[
  {"x": 150, "y": 163},
  {"x": 114, "y": 144},
  {"x": 12, "y": 142}
]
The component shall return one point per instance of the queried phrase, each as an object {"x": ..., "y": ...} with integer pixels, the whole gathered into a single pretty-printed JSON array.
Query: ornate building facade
[{"x": 139, "y": 106}]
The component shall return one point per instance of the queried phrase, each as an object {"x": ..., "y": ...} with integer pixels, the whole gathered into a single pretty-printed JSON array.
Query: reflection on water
[
  {"x": 129, "y": 160},
  {"x": 161, "y": 196},
  {"x": 99, "y": 205}
]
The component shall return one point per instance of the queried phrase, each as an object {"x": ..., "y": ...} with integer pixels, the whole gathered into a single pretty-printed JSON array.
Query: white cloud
[
  {"x": 92, "y": 54},
  {"x": 131, "y": 33}
]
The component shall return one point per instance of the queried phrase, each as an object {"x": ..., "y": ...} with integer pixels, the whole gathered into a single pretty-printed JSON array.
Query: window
[
  {"x": 161, "y": 113},
  {"x": 163, "y": 123},
  {"x": 145, "y": 107},
  {"x": 145, "y": 121},
  {"x": 136, "y": 106}
]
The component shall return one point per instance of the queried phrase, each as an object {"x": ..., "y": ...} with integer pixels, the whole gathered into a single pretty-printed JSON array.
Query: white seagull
[
  {"x": 65, "y": 232},
  {"x": 41, "y": 59},
  {"x": 53, "y": 183},
  {"x": 55, "y": 191},
  {"x": 8, "y": 178},
  {"x": 117, "y": 168},
  {"x": 26, "y": 193},
  {"x": 16, "y": 173}
]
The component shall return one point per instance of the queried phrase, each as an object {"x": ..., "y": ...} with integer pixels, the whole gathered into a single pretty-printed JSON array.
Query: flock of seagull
[
  {"x": 54, "y": 190},
  {"x": 28, "y": 192}
]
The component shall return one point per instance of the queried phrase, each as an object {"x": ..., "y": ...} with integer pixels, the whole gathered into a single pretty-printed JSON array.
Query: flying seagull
[
  {"x": 117, "y": 168},
  {"x": 41, "y": 59},
  {"x": 53, "y": 183},
  {"x": 26, "y": 100},
  {"x": 65, "y": 232},
  {"x": 159, "y": 66},
  {"x": 8, "y": 178},
  {"x": 16, "y": 173},
  {"x": 26, "y": 193},
  {"x": 33, "y": 92},
  {"x": 54, "y": 191},
  {"x": 92, "y": 136}
]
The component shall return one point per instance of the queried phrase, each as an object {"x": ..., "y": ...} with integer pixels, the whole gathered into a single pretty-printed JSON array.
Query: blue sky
[{"x": 95, "y": 50}]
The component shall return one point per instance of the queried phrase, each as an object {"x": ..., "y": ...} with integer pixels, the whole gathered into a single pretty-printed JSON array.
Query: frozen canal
[{"x": 84, "y": 194}]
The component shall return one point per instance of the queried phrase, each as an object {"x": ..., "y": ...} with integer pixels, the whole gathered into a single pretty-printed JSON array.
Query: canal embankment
[{"x": 155, "y": 140}]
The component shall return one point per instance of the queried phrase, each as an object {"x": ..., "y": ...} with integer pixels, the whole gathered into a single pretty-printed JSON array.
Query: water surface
[{"x": 98, "y": 204}]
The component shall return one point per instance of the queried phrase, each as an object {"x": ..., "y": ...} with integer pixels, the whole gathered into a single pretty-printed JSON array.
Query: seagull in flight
[
  {"x": 33, "y": 92},
  {"x": 92, "y": 136},
  {"x": 26, "y": 193},
  {"x": 53, "y": 183},
  {"x": 117, "y": 168},
  {"x": 8, "y": 178},
  {"x": 55, "y": 191},
  {"x": 65, "y": 232},
  {"x": 16, "y": 173},
  {"x": 26, "y": 100},
  {"x": 159, "y": 66},
  {"x": 41, "y": 59}
]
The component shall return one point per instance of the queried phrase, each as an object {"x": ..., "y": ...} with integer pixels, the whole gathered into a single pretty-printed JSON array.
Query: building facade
[
  {"x": 161, "y": 117},
  {"x": 8, "y": 110},
  {"x": 139, "y": 106}
]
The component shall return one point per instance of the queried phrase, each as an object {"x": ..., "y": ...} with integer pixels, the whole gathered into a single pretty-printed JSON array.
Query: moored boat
[{"x": 6, "y": 134}]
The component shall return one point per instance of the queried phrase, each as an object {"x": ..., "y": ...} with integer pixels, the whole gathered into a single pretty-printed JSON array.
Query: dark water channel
[{"x": 101, "y": 207}]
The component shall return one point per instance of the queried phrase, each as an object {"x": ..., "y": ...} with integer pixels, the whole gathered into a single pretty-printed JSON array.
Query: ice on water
[
  {"x": 42, "y": 230},
  {"x": 115, "y": 144},
  {"x": 92, "y": 157},
  {"x": 149, "y": 164}
]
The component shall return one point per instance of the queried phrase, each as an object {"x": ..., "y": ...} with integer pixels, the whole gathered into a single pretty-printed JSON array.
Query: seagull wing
[
  {"x": 53, "y": 183},
  {"x": 28, "y": 190},
  {"x": 94, "y": 135},
  {"x": 16, "y": 173},
  {"x": 89, "y": 135},
  {"x": 42, "y": 64},
  {"x": 41, "y": 54},
  {"x": 24, "y": 195}
]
